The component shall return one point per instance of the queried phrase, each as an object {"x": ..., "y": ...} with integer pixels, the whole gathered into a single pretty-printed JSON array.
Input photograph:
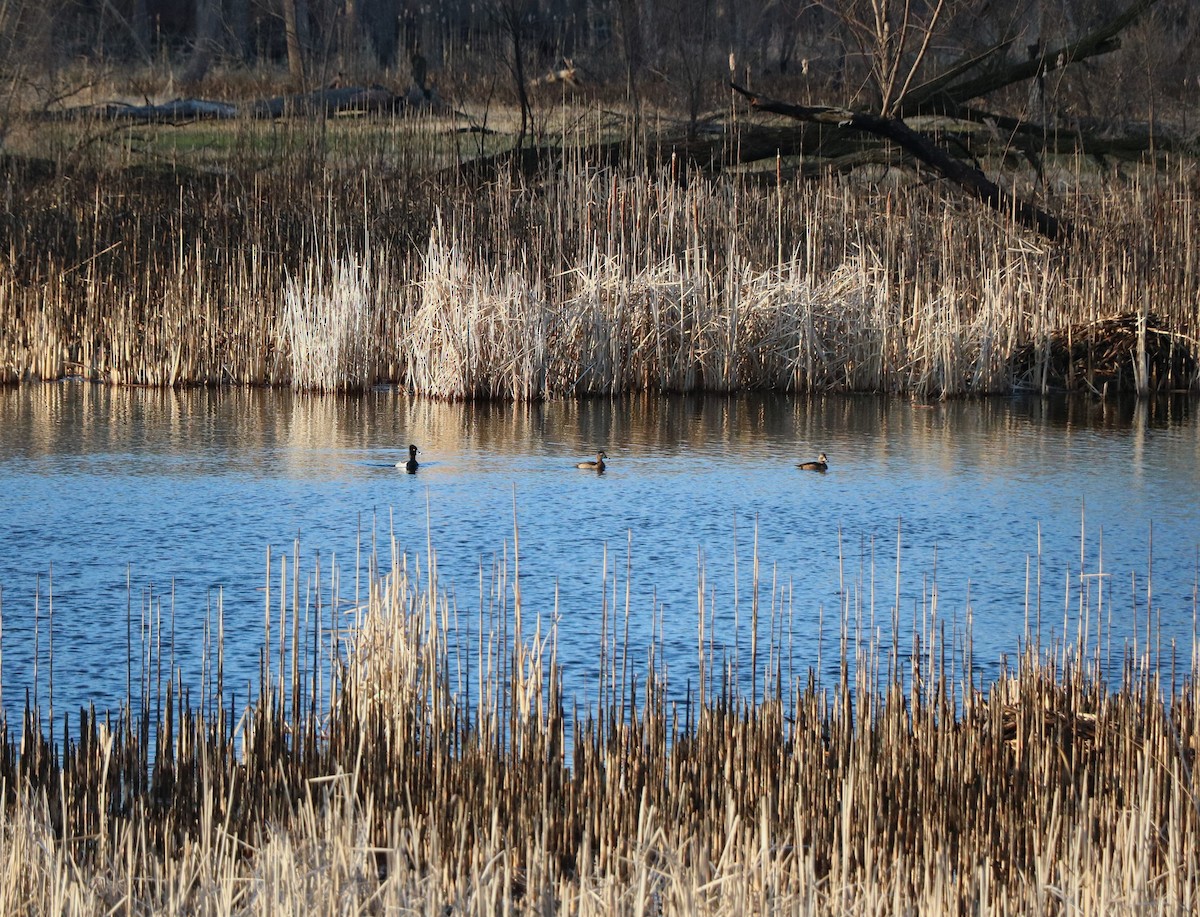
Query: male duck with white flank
[
  {"x": 411, "y": 465},
  {"x": 821, "y": 464}
]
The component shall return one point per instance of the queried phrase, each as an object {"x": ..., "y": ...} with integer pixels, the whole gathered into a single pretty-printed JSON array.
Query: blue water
[{"x": 125, "y": 504}]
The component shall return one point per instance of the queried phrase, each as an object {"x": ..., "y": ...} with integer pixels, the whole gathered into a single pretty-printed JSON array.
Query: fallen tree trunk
[
  {"x": 969, "y": 178},
  {"x": 334, "y": 101},
  {"x": 329, "y": 102}
]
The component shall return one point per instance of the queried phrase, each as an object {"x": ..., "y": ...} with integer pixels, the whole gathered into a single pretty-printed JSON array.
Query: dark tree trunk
[
  {"x": 295, "y": 23},
  {"x": 239, "y": 24},
  {"x": 380, "y": 20},
  {"x": 140, "y": 23},
  {"x": 631, "y": 42},
  {"x": 205, "y": 42},
  {"x": 349, "y": 39},
  {"x": 511, "y": 19}
]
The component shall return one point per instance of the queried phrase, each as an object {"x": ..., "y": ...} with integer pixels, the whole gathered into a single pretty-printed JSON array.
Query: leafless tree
[
  {"x": 26, "y": 29},
  {"x": 512, "y": 16},
  {"x": 205, "y": 40},
  {"x": 629, "y": 18},
  {"x": 689, "y": 58},
  {"x": 295, "y": 20},
  {"x": 897, "y": 50},
  {"x": 894, "y": 38}
]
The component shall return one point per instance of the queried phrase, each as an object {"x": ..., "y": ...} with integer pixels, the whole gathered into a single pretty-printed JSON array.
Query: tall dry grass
[
  {"x": 336, "y": 271},
  {"x": 329, "y": 328},
  {"x": 440, "y": 773}
]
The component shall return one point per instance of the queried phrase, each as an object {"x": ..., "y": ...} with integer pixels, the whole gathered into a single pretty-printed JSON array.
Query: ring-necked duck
[
  {"x": 821, "y": 464},
  {"x": 411, "y": 465},
  {"x": 597, "y": 465}
]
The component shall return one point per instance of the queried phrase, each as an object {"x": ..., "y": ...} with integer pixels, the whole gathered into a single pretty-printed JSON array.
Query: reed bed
[
  {"x": 439, "y": 773},
  {"x": 336, "y": 273},
  {"x": 328, "y": 327}
]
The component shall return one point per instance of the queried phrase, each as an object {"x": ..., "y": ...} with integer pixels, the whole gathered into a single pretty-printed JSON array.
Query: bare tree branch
[
  {"x": 969, "y": 178},
  {"x": 938, "y": 96},
  {"x": 924, "y": 49}
]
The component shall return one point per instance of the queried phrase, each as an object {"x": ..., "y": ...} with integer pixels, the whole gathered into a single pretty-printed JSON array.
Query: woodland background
[{"x": 676, "y": 54}]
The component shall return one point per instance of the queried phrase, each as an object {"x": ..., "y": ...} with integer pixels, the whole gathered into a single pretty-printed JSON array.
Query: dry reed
[
  {"x": 336, "y": 272},
  {"x": 328, "y": 326},
  {"x": 416, "y": 784}
]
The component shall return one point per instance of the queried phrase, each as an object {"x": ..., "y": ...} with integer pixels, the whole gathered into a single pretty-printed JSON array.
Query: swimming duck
[
  {"x": 821, "y": 464},
  {"x": 597, "y": 465},
  {"x": 411, "y": 465}
]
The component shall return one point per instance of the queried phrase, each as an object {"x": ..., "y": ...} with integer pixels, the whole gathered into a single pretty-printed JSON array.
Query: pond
[{"x": 123, "y": 502}]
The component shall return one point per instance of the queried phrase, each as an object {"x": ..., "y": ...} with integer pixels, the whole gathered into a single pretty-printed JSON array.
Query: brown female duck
[{"x": 597, "y": 465}]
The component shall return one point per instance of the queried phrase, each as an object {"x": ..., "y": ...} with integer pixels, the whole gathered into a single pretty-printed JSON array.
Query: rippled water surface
[{"x": 120, "y": 501}]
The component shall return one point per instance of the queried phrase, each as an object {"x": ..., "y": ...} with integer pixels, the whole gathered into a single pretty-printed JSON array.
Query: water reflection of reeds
[
  {"x": 184, "y": 486},
  {"x": 56, "y": 421}
]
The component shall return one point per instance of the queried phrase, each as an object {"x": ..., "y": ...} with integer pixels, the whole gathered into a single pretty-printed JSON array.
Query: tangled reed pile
[
  {"x": 902, "y": 788},
  {"x": 1125, "y": 352},
  {"x": 588, "y": 280}
]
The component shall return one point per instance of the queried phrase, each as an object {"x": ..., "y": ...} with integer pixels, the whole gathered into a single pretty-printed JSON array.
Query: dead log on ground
[{"x": 331, "y": 102}]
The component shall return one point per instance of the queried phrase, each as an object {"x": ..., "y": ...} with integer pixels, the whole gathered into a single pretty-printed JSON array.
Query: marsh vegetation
[
  {"x": 595, "y": 280},
  {"x": 568, "y": 240},
  {"x": 410, "y": 761},
  {"x": 535, "y": 217}
]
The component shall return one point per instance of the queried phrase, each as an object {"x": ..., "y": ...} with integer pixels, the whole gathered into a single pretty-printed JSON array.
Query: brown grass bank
[
  {"x": 344, "y": 267},
  {"x": 416, "y": 784}
]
